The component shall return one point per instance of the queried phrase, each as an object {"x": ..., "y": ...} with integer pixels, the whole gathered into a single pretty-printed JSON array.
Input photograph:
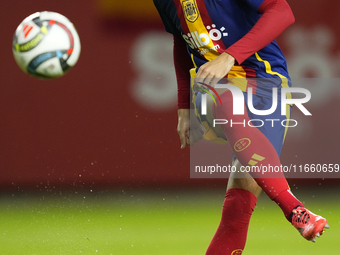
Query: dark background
[{"x": 111, "y": 121}]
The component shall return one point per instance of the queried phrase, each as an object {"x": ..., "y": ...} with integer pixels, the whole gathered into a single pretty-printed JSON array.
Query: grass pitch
[{"x": 150, "y": 223}]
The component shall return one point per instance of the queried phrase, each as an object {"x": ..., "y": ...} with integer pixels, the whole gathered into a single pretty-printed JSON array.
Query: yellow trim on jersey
[
  {"x": 283, "y": 84},
  {"x": 193, "y": 61},
  {"x": 269, "y": 70},
  {"x": 196, "y": 27},
  {"x": 238, "y": 72}
]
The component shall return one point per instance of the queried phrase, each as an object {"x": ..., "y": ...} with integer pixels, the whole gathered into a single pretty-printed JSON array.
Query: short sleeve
[{"x": 169, "y": 25}]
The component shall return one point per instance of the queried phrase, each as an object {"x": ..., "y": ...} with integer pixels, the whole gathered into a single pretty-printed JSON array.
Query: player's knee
[{"x": 243, "y": 180}]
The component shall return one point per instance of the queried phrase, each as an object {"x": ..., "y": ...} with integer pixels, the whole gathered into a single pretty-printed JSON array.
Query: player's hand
[
  {"x": 211, "y": 72},
  {"x": 183, "y": 127},
  {"x": 188, "y": 135}
]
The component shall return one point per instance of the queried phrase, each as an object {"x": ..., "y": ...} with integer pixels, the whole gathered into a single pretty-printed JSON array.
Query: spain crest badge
[{"x": 190, "y": 10}]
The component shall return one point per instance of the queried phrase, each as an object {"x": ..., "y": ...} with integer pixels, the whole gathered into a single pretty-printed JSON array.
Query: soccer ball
[{"x": 46, "y": 45}]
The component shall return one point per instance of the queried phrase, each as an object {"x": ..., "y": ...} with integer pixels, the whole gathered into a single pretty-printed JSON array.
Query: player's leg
[
  {"x": 276, "y": 188},
  {"x": 238, "y": 132},
  {"x": 239, "y": 180},
  {"x": 239, "y": 203},
  {"x": 258, "y": 148}
]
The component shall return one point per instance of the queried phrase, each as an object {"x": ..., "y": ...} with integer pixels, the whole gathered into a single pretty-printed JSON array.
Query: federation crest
[
  {"x": 237, "y": 252},
  {"x": 190, "y": 10}
]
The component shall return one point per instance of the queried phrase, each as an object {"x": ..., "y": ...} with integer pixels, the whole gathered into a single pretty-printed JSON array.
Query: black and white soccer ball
[{"x": 46, "y": 45}]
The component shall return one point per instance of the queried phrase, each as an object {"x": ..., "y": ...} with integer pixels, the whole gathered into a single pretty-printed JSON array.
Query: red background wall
[{"x": 112, "y": 120}]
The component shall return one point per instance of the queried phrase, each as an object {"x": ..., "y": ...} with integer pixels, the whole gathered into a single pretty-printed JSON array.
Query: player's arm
[
  {"x": 276, "y": 17},
  {"x": 183, "y": 64}
]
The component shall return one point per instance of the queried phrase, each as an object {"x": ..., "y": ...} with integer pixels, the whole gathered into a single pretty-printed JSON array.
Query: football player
[{"x": 215, "y": 40}]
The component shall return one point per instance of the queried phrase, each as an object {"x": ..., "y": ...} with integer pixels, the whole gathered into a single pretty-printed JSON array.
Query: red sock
[
  {"x": 231, "y": 235},
  {"x": 251, "y": 146},
  {"x": 287, "y": 202}
]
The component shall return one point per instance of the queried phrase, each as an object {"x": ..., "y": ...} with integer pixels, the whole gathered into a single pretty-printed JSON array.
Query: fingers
[
  {"x": 207, "y": 73},
  {"x": 214, "y": 81},
  {"x": 184, "y": 136},
  {"x": 202, "y": 82},
  {"x": 208, "y": 80},
  {"x": 203, "y": 77},
  {"x": 189, "y": 137},
  {"x": 183, "y": 126},
  {"x": 188, "y": 129},
  {"x": 211, "y": 72},
  {"x": 183, "y": 139},
  {"x": 199, "y": 87}
]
